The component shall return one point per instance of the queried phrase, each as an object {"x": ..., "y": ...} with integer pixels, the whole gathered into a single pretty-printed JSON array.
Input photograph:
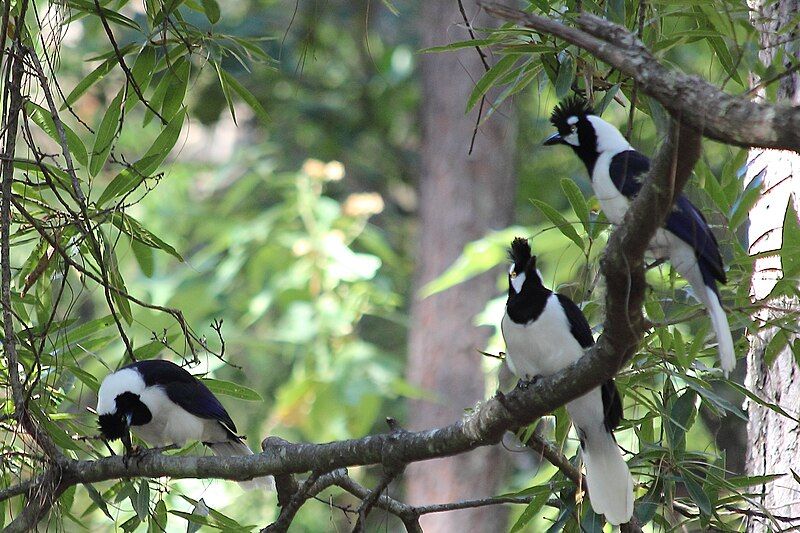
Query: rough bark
[
  {"x": 462, "y": 197},
  {"x": 774, "y": 440}
]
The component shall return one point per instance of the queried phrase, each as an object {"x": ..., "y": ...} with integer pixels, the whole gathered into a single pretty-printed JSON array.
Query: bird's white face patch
[
  {"x": 572, "y": 139},
  {"x": 125, "y": 380},
  {"x": 572, "y": 120},
  {"x": 517, "y": 280}
]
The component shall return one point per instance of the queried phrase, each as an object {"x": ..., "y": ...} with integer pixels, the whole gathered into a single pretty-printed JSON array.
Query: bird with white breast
[
  {"x": 167, "y": 406},
  {"x": 616, "y": 171}
]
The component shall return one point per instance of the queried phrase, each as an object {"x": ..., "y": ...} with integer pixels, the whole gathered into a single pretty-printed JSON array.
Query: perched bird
[
  {"x": 616, "y": 171},
  {"x": 167, "y": 406},
  {"x": 544, "y": 333}
]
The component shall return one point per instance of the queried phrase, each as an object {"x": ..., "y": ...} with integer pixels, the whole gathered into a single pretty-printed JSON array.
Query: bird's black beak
[{"x": 553, "y": 139}]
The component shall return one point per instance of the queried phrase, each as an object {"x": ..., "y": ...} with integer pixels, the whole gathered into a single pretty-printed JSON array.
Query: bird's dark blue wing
[
  {"x": 185, "y": 390},
  {"x": 627, "y": 169},
  {"x": 689, "y": 225},
  {"x": 577, "y": 321}
]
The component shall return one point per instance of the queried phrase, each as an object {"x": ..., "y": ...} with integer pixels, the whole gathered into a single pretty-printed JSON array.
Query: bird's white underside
[{"x": 171, "y": 423}]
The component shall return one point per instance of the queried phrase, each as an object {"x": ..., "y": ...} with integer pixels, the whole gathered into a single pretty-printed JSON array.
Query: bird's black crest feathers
[
  {"x": 520, "y": 251},
  {"x": 574, "y": 106}
]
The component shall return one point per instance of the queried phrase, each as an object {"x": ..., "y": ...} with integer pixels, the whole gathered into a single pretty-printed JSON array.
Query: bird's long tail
[
  {"x": 719, "y": 321},
  {"x": 237, "y": 447},
  {"x": 607, "y": 476},
  {"x": 705, "y": 289}
]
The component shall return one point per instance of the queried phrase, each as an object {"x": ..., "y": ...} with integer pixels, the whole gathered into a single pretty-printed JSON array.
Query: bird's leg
[
  {"x": 528, "y": 381},
  {"x": 130, "y": 449}
]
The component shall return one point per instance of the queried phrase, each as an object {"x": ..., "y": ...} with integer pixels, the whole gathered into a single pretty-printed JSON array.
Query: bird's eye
[{"x": 513, "y": 274}]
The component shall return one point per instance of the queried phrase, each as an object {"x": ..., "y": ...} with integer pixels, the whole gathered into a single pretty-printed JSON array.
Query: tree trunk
[
  {"x": 461, "y": 198},
  {"x": 773, "y": 439}
]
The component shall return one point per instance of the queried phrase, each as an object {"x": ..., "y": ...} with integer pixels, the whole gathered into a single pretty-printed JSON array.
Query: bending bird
[{"x": 167, "y": 406}]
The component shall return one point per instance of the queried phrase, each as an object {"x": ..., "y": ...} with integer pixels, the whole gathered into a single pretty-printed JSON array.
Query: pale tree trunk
[
  {"x": 773, "y": 439},
  {"x": 462, "y": 197}
]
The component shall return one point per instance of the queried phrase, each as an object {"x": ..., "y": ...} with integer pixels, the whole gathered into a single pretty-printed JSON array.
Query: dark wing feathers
[
  {"x": 685, "y": 220},
  {"x": 185, "y": 390},
  {"x": 612, "y": 405},
  {"x": 627, "y": 170},
  {"x": 579, "y": 326},
  {"x": 690, "y": 226},
  {"x": 577, "y": 321}
]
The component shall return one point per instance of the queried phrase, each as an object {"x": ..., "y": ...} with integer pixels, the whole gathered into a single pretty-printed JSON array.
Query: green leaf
[
  {"x": 177, "y": 80},
  {"x": 106, "y": 133},
  {"x": 488, "y": 79},
  {"x": 131, "y": 227},
  {"x": 90, "y": 8},
  {"x": 141, "y": 503},
  {"x": 144, "y": 257},
  {"x": 577, "y": 201},
  {"x": 227, "y": 388},
  {"x": 142, "y": 73},
  {"x": 681, "y": 419},
  {"x": 211, "y": 9},
  {"x": 98, "y": 500},
  {"x": 132, "y": 177},
  {"x": 698, "y": 495},
  {"x": 742, "y": 482},
  {"x": 44, "y": 119},
  {"x": 530, "y": 511},
  {"x": 745, "y": 202},
  {"x": 247, "y": 96},
  {"x": 477, "y": 257},
  {"x": 566, "y": 73},
  {"x": 85, "y": 377},
  {"x": 115, "y": 278},
  {"x": 559, "y": 221},
  {"x": 94, "y": 76},
  {"x": 790, "y": 261},
  {"x": 777, "y": 344},
  {"x": 158, "y": 520}
]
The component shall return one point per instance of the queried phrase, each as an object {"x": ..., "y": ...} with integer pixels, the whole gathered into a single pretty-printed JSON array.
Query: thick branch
[{"x": 720, "y": 116}]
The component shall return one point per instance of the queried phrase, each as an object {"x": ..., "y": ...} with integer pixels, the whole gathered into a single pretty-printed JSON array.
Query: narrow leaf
[{"x": 559, "y": 222}]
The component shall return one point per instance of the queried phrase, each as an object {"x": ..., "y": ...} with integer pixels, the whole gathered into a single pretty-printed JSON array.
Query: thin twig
[
  {"x": 486, "y": 68},
  {"x": 121, "y": 59}
]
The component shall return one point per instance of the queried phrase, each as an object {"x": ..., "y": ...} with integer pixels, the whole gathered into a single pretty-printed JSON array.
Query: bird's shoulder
[
  {"x": 627, "y": 169},
  {"x": 578, "y": 324},
  {"x": 161, "y": 372}
]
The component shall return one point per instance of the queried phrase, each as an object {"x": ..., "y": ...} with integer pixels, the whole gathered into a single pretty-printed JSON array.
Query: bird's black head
[
  {"x": 130, "y": 411},
  {"x": 523, "y": 273},
  {"x": 575, "y": 129}
]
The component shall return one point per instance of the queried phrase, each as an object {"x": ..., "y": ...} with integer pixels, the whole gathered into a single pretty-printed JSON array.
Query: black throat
[
  {"x": 528, "y": 304},
  {"x": 114, "y": 425}
]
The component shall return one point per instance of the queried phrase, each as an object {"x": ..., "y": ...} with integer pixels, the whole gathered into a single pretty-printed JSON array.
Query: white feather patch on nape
[
  {"x": 609, "y": 139},
  {"x": 518, "y": 281},
  {"x": 125, "y": 380}
]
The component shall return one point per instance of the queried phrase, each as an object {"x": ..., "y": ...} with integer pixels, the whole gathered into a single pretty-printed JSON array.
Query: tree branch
[{"x": 720, "y": 116}]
